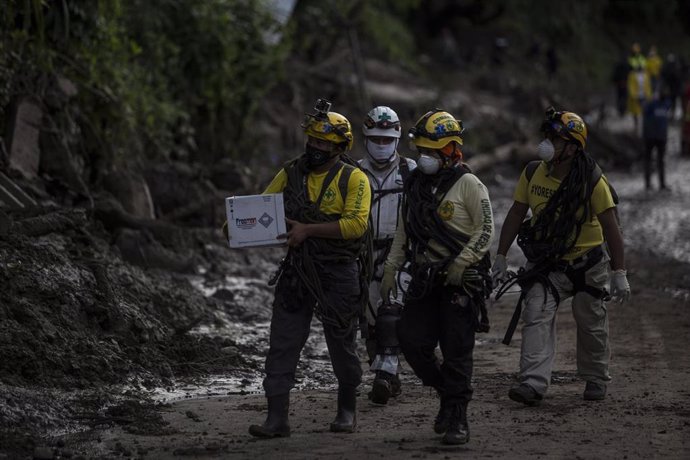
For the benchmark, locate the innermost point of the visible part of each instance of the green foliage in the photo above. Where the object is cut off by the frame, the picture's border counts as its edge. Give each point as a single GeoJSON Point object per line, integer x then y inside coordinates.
{"type": "Point", "coordinates": [160, 77]}
{"type": "Point", "coordinates": [385, 29]}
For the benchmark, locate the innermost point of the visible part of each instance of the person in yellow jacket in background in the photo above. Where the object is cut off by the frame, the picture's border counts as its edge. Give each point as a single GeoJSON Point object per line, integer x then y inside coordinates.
{"type": "Point", "coordinates": [327, 205]}
{"type": "Point", "coordinates": [653, 67]}
{"type": "Point", "coordinates": [639, 92]}
{"type": "Point", "coordinates": [636, 59]}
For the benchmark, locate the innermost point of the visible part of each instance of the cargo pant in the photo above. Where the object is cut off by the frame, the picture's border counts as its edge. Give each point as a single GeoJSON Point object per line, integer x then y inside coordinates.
{"type": "Point", "coordinates": [539, 330]}
{"type": "Point", "coordinates": [446, 318]}
{"type": "Point", "coordinates": [293, 310]}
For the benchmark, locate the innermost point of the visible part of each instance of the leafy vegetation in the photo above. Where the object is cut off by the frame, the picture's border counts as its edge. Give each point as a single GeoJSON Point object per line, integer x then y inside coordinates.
{"type": "Point", "coordinates": [189, 79]}
{"type": "Point", "coordinates": [160, 77]}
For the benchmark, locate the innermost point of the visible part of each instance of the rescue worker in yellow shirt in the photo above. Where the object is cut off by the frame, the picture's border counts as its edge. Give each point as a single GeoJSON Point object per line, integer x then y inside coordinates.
{"type": "Point", "coordinates": [327, 204]}
{"type": "Point", "coordinates": [573, 215]}
{"type": "Point", "coordinates": [446, 228]}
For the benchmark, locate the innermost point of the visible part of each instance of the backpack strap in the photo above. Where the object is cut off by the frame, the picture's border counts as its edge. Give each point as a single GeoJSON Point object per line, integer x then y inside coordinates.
{"type": "Point", "coordinates": [345, 179]}
{"type": "Point", "coordinates": [404, 169]}
{"type": "Point", "coordinates": [327, 180]}
{"type": "Point", "coordinates": [531, 168]}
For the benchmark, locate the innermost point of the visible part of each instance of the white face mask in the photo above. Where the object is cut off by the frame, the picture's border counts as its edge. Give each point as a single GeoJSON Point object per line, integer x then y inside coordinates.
{"type": "Point", "coordinates": [381, 153]}
{"type": "Point", "coordinates": [546, 150]}
{"type": "Point", "coordinates": [428, 164]}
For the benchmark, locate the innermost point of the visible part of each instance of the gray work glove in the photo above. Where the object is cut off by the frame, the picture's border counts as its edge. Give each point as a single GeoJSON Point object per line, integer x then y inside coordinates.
{"type": "Point", "coordinates": [389, 285]}
{"type": "Point", "coordinates": [620, 289]}
{"type": "Point", "coordinates": [499, 270]}
{"type": "Point", "coordinates": [455, 272]}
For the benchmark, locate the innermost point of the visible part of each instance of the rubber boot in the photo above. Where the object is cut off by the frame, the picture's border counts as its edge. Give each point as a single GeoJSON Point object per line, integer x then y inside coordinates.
{"type": "Point", "coordinates": [276, 424]}
{"type": "Point", "coordinates": [346, 418]}
{"type": "Point", "coordinates": [443, 417]}
{"type": "Point", "coordinates": [458, 430]}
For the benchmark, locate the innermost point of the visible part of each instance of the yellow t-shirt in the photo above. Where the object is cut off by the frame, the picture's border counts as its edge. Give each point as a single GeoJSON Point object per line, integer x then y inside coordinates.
{"type": "Point", "coordinates": [537, 192]}
{"type": "Point", "coordinates": [354, 210]}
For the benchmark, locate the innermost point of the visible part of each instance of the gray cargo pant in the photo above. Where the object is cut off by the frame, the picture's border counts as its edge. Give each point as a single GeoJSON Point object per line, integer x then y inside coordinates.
{"type": "Point", "coordinates": [539, 330]}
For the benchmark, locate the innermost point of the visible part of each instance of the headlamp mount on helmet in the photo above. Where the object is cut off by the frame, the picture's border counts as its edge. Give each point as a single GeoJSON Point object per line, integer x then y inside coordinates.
{"type": "Point", "coordinates": [322, 107]}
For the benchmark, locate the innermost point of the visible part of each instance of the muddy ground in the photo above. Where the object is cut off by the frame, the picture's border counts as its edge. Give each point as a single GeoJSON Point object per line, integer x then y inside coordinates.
{"type": "Point", "coordinates": [105, 360]}
{"type": "Point", "coordinates": [645, 415]}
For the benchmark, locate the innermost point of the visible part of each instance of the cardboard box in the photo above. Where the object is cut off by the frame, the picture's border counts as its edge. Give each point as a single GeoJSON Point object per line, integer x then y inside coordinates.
{"type": "Point", "coordinates": [255, 220]}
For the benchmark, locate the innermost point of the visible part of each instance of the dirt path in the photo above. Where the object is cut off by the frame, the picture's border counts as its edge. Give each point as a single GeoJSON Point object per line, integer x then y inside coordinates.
{"type": "Point", "coordinates": [646, 414]}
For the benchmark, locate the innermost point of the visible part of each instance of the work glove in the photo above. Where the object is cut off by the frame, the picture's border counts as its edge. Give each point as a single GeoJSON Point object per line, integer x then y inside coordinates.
{"type": "Point", "coordinates": [225, 230]}
{"type": "Point", "coordinates": [620, 289]}
{"type": "Point", "coordinates": [454, 273]}
{"type": "Point", "coordinates": [499, 270]}
{"type": "Point", "coordinates": [389, 285]}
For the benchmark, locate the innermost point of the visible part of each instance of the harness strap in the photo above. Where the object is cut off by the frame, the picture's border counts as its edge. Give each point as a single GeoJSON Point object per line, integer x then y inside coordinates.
{"type": "Point", "coordinates": [514, 320]}
{"type": "Point", "coordinates": [327, 181]}
{"type": "Point", "coordinates": [578, 278]}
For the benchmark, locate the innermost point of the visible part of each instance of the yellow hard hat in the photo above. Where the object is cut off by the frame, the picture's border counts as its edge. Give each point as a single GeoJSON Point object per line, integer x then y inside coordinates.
{"type": "Point", "coordinates": [436, 129]}
{"type": "Point", "coordinates": [329, 126]}
{"type": "Point", "coordinates": [567, 125]}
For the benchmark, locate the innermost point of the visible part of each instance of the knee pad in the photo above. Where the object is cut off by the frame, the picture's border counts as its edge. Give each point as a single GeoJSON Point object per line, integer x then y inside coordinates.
{"type": "Point", "coordinates": [386, 330]}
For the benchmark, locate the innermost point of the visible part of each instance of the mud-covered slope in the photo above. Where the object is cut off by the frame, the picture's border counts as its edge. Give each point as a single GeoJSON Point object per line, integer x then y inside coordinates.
{"type": "Point", "coordinates": [74, 315]}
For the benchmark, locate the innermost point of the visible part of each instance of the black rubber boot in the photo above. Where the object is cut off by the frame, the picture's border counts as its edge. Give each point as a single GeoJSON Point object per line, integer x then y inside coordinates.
{"type": "Point", "coordinates": [443, 417]}
{"type": "Point", "coordinates": [381, 389]}
{"type": "Point", "coordinates": [458, 430]}
{"type": "Point", "coordinates": [276, 424]}
{"type": "Point", "coordinates": [346, 418]}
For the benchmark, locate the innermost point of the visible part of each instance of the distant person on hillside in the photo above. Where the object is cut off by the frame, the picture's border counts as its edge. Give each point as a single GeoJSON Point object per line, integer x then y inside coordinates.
{"type": "Point", "coordinates": [639, 92]}
{"type": "Point", "coordinates": [672, 79]}
{"type": "Point", "coordinates": [655, 133]}
{"type": "Point", "coordinates": [499, 51]}
{"type": "Point", "coordinates": [653, 67]}
{"type": "Point", "coordinates": [685, 128]}
{"type": "Point", "coordinates": [570, 243]}
{"type": "Point", "coordinates": [619, 77]}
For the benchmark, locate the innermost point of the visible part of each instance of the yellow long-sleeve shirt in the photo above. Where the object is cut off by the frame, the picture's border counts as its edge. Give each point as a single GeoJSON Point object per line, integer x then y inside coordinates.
{"type": "Point", "coordinates": [466, 208]}
{"type": "Point", "coordinates": [353, 210]}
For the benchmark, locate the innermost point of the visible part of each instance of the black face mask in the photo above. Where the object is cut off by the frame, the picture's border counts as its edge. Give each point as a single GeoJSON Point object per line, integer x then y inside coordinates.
{"type": "Point", "coordinates": [316, 157]}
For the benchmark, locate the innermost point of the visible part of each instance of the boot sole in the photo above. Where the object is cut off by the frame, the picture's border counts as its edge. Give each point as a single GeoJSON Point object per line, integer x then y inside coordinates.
{"type": "Point", "coordinates": [517, 397]}
{"type": "Point", "coordinates": [456, 442]}
{"type": "Point", "coordinates": [340, 429]}
{"type": "Point", "coordinates": [259, 432]}
{"type": "Point", "coordinates": [440, 429]}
